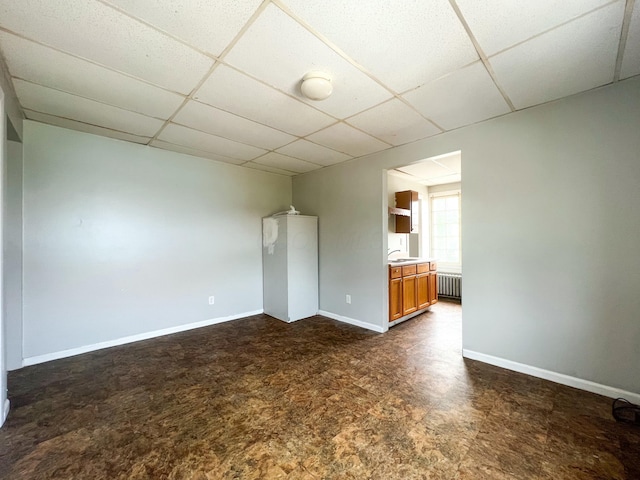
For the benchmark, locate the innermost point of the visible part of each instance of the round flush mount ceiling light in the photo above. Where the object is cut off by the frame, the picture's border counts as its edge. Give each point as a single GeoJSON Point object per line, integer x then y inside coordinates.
{"type": "Point", "coordinates": [316, 85]}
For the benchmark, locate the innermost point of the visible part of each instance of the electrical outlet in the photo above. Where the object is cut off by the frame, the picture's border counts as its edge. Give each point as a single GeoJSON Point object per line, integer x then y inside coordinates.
{"type": "Point", "coordinates": [348, 299]}
{"type": "Point", "coordinates": [212, 300]}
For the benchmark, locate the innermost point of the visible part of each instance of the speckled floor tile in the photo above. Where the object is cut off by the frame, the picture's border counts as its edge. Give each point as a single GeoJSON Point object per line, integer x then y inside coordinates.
{"type": "Point", "coordinates": [260, 399]}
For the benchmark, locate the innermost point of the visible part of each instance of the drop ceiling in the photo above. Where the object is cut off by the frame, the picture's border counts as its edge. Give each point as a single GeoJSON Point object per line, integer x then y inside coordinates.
{"type": "Point", "coordinates": [432, 171]}
{"type": "Point", "coordinates": [221, 79]}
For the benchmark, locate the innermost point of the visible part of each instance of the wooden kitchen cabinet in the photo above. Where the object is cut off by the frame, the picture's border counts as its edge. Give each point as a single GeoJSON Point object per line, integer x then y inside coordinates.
{"type": "Point", "coordinates": [433, 288]}
{"type": "Point", "coordinates": [411, 288]}
{"type": "Point", "coordinates": [395, 298]}
{"type": "Point", "coordinates": [407, 200]}
{"type": "Point", "coordinates": [422, 285]}
{"type": "Point", "coordinates": [422, 290]}
{"type": "Point", "coordinates": [409, 298]}
{"type": "Point", "coordinates": [395, 272]}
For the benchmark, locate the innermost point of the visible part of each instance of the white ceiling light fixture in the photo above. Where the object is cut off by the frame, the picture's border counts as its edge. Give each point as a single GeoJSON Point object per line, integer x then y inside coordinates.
{"type": "Point", "coordinates": [316, 85]}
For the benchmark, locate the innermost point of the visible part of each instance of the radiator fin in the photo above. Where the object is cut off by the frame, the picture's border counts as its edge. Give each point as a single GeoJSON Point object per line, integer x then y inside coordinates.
{"type": "Point", "coordinates": [450, 285]}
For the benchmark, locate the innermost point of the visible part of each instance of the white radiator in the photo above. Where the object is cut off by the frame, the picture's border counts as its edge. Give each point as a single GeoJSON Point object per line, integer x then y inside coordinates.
{"type": "Point", "coordinates": [450, 285]}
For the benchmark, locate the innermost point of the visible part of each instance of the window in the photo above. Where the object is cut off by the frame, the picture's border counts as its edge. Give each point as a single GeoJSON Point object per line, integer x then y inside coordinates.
{"type": "Point", "coordinates": [445, 228]}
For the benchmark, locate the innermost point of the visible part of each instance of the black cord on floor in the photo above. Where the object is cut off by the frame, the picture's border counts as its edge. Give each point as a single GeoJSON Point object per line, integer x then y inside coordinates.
{"type": "Point", "coordinates": [626, 412]}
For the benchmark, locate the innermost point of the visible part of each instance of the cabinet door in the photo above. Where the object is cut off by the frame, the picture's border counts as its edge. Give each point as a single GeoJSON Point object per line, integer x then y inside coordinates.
{"type": "Point", "coordinates": [395, 299]}
{"type": "Point", "coordinates": [424, 299]}
{"type": "Point", "coordinates": [433, 288]}
{"type": "Point", "coordinates": [407, 200]}
{"type": "Point", "coordinates": [409, 297]}
{"type": "Point", "coordinates": [403, 224]}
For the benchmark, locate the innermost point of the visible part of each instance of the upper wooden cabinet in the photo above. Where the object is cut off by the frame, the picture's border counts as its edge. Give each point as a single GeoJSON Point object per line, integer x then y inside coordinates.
{"type": "Point", "coordinates": [407, 200]}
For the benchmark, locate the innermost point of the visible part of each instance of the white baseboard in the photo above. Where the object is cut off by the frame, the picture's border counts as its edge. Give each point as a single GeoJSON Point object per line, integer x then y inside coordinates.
{"type": "Point", "coordinates": [352, 321]}
{"type": "Point", "coordinates": [5, 411]}
{"type": "Point", "coordinates": [407, 317]}
{"type": "Point", "coordinates": [132, 338]}
{"type": "Point", "coordinates": [560, 378]}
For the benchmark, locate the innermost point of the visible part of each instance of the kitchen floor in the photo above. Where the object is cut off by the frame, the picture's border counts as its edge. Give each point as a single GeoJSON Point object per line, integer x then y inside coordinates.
{"type": "Point", "coordinates": [316, 399]}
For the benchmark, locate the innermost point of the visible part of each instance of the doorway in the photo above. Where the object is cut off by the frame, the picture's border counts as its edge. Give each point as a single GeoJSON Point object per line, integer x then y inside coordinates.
{"type": "Point", "coordinates": [434, 231]}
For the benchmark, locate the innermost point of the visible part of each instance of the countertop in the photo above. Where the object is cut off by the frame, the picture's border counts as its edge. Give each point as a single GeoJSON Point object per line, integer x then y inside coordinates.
{"type": "Point", "coordinates": [413, 261]}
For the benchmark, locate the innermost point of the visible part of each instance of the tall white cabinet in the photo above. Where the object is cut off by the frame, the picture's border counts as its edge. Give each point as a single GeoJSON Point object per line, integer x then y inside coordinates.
{"type": "Point", "coordinates": [290, 267]}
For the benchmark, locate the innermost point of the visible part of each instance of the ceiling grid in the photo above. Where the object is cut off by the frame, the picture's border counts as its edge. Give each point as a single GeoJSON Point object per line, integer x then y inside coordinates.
{"type": "Point", "coordinates": [481, 54]}
{"type": "Point", "coordinates": [221, 80]}
{"type": "Point", "coordinates": [624, 35]}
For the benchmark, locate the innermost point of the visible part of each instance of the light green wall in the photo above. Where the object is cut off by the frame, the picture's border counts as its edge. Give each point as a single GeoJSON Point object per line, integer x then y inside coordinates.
{"type": "Point", "coordinates": [12, 252]}
{"type": "Point", "coordinates": [550, 241]}
{"type": "Point", "coordinates": [11, 105]}
{"type": "Point", "coordinates": [352, 212]}
{"type": "Point", "coordinates": [122, 239]}
{"type": "Point", "coordinates": [446, 187]}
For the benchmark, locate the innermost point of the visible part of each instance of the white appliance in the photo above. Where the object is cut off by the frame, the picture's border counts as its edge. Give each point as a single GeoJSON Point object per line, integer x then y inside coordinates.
{"type": "Point", "coordinates": [290, 266]}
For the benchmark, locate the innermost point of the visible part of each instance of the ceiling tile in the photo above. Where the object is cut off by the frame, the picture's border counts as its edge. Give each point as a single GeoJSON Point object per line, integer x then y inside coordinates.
{"type": "Point", "coordinates": [401, 123]}
{"type": "Point", "coordinates": [45, 66]}
{"type": "Point", "coordinates": [194, 152]}
{"type": "Point", "coordinates": [631, 58]}
{"type": "Point", "coordinates": [187, 137]}
{"type": "Point", "coordinates": [426, 169]}
{"type": "Point", "coordinates": [205, 24]}
{"type": "Point", "coordinates": [84, 127]}
{"type": "Point", "coordinates": [313, 153]}
{"type": "Point", "coordinates": [236, 93]}
{"type": "Point", "coordinates": [403, 46]}
{"type": "Point", "coordinates": [399, 174]}
{"type": "Point", "coordinates": [453, 162]}
{"type": "Point", "coordinates": [119, 67]}
{"type": "Point", "coordinates": [498, 24]}
{"type": "Point", "coordinates": [266, 168]}
{"type": "Point", "coordinates": [285, 162]}
{"type": "Point", "coordinates": [443, 180]}
{"type": "Point", "coordinates": [99, 33]}
{"type": "Point", "coordinates": [279, 51]}
{"type": "Point", "coordinates": [462, 98]}
{"type": "Point", "coordinates": [538, 71]}
{"type": "Point", "coordinates": [60, 104]}
{"type": "Point", "coordinates": [218, 122]}
{"type": "Point", "coordinates": [348, 140]}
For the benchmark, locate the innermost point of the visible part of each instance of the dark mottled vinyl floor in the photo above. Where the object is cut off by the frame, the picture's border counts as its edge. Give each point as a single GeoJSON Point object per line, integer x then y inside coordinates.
{"type": "Point", "coordinates": [259, 399]}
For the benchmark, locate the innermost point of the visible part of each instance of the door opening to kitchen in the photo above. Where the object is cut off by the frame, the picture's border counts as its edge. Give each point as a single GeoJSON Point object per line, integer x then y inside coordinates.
{"type": "Point", "coordinates": [424, 245]}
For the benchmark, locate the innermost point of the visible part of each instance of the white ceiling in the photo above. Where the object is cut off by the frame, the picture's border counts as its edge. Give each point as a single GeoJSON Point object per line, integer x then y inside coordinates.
{"type": "Point", "coordinates": [438, 170]}
{"type": "Point", "coordinates": [221, 79]}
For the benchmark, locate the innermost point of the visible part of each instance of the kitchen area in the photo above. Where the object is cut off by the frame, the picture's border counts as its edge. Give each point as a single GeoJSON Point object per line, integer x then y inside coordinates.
{"type": "Point", "coordinates": [413, 284]}
{"type": "Point", "coordinates": [423, 230]}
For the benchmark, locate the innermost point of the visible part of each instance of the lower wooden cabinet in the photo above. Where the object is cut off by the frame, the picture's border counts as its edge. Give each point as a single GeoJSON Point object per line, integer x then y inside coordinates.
{"type": "Point", "coordinates": [422, 290]}
{"type": "Point", "coordinates": [411, 288]}
{"type": "Point", "coordinates": [433, 288]}
{"type": "Point", "coordinates": [395, 298]}
{"type": "Point", "coordinates": [409, 298]}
